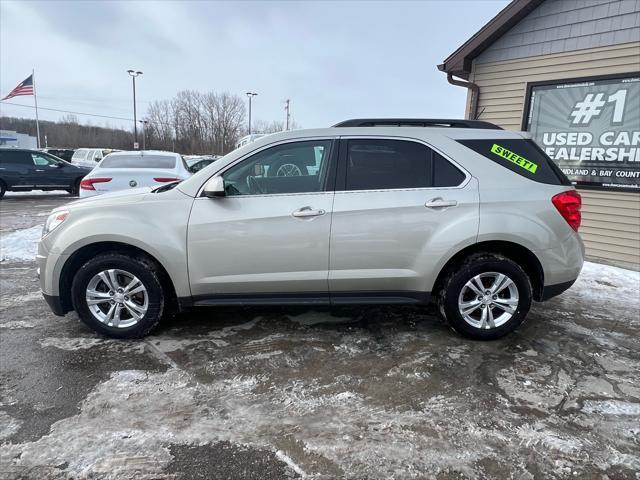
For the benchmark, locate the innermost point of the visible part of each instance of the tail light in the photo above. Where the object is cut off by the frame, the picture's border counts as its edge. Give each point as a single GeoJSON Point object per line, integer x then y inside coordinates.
{"type": "Point", "coordinates": [87, 183]}
{"type": "Point", "coordinates": [569, 204]}
{"type": "Point", "coordinates": [165, 179]}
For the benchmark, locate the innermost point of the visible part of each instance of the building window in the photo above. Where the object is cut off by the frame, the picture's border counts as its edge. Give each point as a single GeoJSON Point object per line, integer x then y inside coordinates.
{"type": "Point", "coordinates": [590, 127]}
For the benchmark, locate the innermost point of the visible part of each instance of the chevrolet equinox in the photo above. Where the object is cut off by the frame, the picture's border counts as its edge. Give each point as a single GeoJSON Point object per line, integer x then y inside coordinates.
{"type": "Point", "coordinates": [372, 211]}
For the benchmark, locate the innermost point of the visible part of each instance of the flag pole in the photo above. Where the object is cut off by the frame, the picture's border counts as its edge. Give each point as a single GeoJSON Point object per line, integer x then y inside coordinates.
{"type": "Point", "coordinates": [35, 98]}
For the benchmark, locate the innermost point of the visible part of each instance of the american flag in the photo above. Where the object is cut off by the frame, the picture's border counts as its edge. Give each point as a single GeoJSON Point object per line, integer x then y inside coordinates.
{"type": "Point", "coordinates": [23, 88]}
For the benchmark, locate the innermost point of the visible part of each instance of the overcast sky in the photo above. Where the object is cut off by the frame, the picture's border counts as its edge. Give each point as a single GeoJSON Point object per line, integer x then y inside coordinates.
{"type": "Point", "coordinates": [334, 60]}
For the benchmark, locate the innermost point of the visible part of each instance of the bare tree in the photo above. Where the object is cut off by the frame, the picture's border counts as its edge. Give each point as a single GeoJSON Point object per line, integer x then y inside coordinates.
{"type": "Point", "coordinates": [193, 122]}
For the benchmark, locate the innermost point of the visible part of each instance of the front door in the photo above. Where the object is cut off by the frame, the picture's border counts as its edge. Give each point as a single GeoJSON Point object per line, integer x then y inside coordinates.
{"type": "Point", "coordinates": [268, 238]}
{"type": "Point", "coordinates": [399, 208]}
{"type": "Point", "coordinates": [48, 172]}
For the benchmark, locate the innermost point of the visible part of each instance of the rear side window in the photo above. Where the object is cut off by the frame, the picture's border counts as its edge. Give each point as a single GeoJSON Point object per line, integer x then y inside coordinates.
{"type": "Point", "coordinates": [374, 164]}
{"type": "Point", "coordinates": [380, 164]}
{"type": "Point", "coordinates": [521, 156]}
{"type": "Point", "coordinates": [15, 157]}
{"type": "Point", "coordinates": [138, 161]}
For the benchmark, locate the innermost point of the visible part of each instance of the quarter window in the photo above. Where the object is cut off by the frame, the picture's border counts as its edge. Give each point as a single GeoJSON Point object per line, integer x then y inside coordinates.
{"type": "Point", "coordinates": [297, 167]}
{"type": "Point", "coordinates": [380, 164]}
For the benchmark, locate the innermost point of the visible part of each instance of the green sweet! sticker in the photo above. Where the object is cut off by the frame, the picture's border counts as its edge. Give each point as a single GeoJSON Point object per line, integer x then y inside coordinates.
{"type": "Point", "coordinates": [514, 157]}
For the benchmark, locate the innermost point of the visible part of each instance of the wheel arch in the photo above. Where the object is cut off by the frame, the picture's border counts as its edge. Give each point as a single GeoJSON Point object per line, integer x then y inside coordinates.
{"type": "Point", "coordinates": [514, 251]}
{"type": "Point", "coordinates": [80, 256]}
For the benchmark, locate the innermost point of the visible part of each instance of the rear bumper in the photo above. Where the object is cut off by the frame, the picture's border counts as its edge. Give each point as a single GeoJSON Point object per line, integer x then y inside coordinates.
{"type": "Point", "coordinates": [550, 291]}
{"type": "Point", "coordinates": [563, 262]}
{"type": "Point", "coordinates": [55, 304]}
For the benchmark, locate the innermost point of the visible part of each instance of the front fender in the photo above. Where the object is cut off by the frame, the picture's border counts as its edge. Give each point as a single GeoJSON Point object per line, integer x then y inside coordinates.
{"type": "Point", "coordinates": [156, 226]}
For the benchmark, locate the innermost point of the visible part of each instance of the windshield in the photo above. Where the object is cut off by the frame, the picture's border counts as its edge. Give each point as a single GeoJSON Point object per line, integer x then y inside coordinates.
{"type": "Point", "coordinates": [138, 161]}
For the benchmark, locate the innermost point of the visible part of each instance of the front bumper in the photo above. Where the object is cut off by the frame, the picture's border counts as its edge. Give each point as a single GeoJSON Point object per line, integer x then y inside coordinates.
{"type": "Point", "coordinates": [49, 272]}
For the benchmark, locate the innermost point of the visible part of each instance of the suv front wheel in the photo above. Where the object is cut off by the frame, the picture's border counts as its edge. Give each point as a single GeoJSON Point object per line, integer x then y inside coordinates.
{"type": "Point", "coordinates": [487, 297]}
{"type": "Point", "coordinates": [118, 295]}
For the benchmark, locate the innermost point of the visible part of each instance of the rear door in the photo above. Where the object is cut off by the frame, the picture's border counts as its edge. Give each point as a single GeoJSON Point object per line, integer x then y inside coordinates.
{"type": "Point", "coordinates": [399, 207]}
{"type": "Point", "coordinates": [15, 167]}
{"type": "Point", "coordinates": [268, 238]}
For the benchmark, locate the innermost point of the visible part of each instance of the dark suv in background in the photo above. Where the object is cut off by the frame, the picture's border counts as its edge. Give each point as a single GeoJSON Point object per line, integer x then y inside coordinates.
{"type": "Point", "coordinates": [24, 170]}
{"type": "Point", "coordinates": [63, 153]}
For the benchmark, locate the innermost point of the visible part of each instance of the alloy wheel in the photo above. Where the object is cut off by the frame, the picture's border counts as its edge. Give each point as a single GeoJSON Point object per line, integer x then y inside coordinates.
{"type": "Point", "coordinates": [288, 170]}
{"type": "Point", "coordinates": [117, 298]}
{"type": "Point", "coordinates": [488, 300]}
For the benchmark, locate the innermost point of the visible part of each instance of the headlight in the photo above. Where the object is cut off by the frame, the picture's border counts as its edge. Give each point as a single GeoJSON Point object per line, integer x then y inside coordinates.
{"type": "Point", "coordinates": [55, 219]}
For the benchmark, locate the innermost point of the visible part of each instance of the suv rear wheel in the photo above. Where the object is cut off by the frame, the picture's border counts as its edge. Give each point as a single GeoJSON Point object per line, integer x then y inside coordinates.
{"type": "Point", "coordinates": [75, 187]}
{"type": "Point", "coordinates": [485, 298]}
{"type": "Point", "coordinates": [3, 188]}
{"type": "Point", "coordinates": [118, 295]}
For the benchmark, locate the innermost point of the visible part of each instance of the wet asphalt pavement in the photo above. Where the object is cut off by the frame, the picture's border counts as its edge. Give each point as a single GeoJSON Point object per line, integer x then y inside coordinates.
{"type": "Point", "coordinates": [273, 393]}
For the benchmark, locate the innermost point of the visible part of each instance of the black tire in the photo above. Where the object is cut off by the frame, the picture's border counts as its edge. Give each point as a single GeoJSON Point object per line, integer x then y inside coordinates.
{"type": "Point", "coordinates": [144, 269]}
{"type": "Point", "coordinates": [475, 265]}
{"type": "Point", "coordinates": [75, 187]}
{"type": "Point", "coordinates": [3, 188]}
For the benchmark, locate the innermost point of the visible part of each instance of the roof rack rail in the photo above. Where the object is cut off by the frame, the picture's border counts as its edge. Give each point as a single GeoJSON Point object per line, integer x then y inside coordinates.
{"type": "Point", "coordinates": [417, 122]}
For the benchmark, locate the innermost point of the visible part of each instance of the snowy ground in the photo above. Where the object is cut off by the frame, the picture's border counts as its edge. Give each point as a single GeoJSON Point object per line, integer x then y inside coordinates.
{"type": "Point", "coordinates": [285, 393]}
{"type": "Point", "coordinates": [20, 244]}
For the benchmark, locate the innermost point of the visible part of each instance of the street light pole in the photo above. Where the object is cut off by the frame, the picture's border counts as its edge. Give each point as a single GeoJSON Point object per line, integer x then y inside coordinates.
{"type": "Point", "coordinates": [287, 109]}
{"type": "Point", "coordinates": [250, 95]}
{"type": "Point", "coordinates": [134, 74]}
{"type": "Point", "coordinates": [144, 133]}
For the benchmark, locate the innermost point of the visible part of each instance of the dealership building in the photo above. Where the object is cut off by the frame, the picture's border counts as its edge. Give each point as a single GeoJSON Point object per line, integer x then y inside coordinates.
{"type": "Point", "coordinates": [568, 72]}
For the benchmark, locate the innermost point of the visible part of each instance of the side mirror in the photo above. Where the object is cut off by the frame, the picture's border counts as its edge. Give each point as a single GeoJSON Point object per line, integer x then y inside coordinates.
{"type": "Point", "coordinates": [214, 188]}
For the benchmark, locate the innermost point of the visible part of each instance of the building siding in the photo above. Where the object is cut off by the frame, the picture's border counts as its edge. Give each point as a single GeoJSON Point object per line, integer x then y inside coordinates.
{"type": "Point", "coordinates": [611, 220]}
{"type": "Point", "coordinates": [559, 26]}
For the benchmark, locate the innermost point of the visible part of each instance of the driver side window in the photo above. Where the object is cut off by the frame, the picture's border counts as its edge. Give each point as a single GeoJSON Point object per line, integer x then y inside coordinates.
{"type": "Point", "coordinates": [297, 167]}
{"type": "Point", "coordinates": [42, 160]}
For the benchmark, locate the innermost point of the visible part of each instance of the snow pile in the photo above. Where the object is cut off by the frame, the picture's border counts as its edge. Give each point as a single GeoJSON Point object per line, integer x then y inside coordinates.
{"type": "Point", "coordinates": [21, 244]}
{"type": "Point", "coordinates": [606, 284]}
{"type": "Point", "coordinates": [611, 407]}
{"type": "Point", "coordinates": [36, 192]}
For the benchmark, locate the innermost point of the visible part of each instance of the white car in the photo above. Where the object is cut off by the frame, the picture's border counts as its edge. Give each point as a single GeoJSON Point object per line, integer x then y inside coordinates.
{"type": "Point", "coordinates": [89, 157]}
{"type": "Point", "coordinates": [125, 170]}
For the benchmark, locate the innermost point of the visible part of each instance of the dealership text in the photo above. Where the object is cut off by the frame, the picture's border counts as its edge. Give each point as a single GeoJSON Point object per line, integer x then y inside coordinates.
{"type": "Point", "coordinates": [615, 146]}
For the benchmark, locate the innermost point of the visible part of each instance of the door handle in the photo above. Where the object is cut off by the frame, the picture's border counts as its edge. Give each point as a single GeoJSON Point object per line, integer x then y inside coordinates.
{"type": "Point", "coordinates": [440, 203]}
{"type": "Point", "coordinates": [307, 212]}
{"type": "Point", "coordinates": [38, 170]}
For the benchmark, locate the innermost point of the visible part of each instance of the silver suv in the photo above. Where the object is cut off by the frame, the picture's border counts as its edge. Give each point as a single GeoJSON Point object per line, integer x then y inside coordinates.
{"type": "Point", "coordinates": [391, 211]}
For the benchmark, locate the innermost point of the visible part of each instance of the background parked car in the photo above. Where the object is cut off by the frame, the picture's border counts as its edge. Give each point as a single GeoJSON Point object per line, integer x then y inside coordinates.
{"type": "Point", "coordinates": [89, 157]}
{"type": "Point", "coordinates": [198, 162]}
{"type": "Point", "coordinates": [248, 139]}
{"type": "Point", "coordinates": [25, 170]}
{"type": "Point", "coordinates": [63, 153]}
{"type": "Point", "coordinates": [124, 170]}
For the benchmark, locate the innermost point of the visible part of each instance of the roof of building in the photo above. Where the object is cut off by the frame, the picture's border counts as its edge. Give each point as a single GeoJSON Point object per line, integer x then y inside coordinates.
{"type": "Point", "coordinates": [459, 62]}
